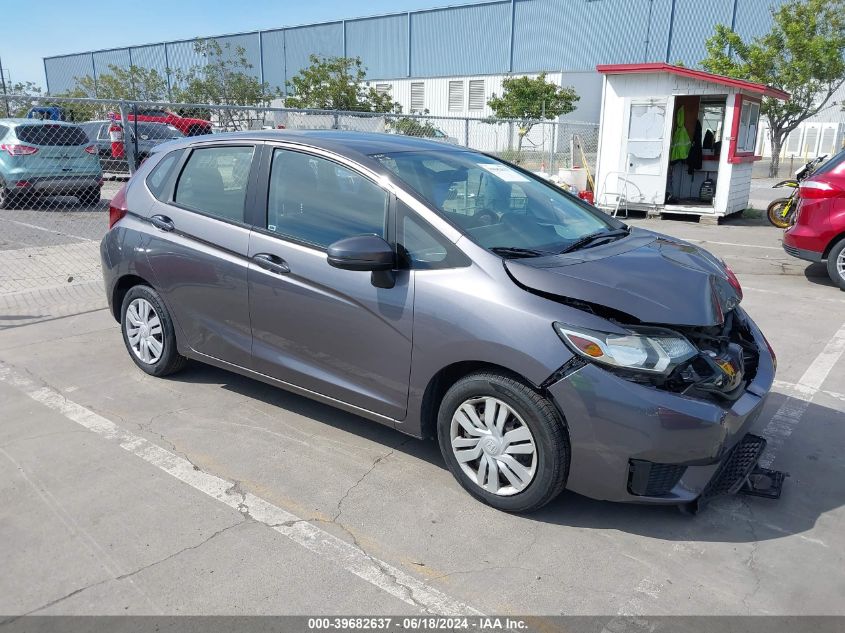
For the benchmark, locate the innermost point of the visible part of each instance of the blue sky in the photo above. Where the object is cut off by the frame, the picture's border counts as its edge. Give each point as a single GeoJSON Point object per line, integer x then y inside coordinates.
{"type": "Point", "coordinates": [58, 26]}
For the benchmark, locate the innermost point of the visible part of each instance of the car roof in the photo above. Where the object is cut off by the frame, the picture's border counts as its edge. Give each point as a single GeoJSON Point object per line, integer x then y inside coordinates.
{"type": "Point", "coordinates": [12, 122]}
{"type": "Point", "coordinates": [361, 144]}
{"type": "Point", "coordinates": [102, 121]}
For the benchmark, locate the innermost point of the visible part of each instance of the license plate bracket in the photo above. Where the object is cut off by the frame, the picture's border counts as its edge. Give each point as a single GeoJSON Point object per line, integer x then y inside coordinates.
{"type": "Point", "coordinates": [763, 482]}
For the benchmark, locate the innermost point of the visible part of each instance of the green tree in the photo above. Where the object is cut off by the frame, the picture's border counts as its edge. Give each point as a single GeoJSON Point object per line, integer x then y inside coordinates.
{"type": "Point", "coordinates": [337, 83]}
{"type": "Point", "coordinates": [803, 54]}
{"type": "Point", "coordinates": [222, 78]}
{"type": "Point", "coordinates": [25, 92]}
{"type": "Point", "coordinates": [134, 83]}
{"type": "Point", "coordinates": [531, 100]}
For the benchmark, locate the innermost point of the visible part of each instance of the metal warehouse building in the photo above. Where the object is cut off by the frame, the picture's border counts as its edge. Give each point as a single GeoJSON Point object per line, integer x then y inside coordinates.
{"type": "Point", "coordinates": [449, 60]}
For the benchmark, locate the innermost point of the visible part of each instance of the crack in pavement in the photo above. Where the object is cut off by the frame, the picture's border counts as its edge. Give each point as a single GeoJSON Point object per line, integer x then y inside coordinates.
{"type": "Point", "coordinates": [123, 576]}
{"type": "Point", "coordinates": [182, 551]}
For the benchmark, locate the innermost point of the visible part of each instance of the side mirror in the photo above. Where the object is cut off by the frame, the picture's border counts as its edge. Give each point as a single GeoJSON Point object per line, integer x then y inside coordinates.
{"type": "Point", "coordinates": [362, 252]}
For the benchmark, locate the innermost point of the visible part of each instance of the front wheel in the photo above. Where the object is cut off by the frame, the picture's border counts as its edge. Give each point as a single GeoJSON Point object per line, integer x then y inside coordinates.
{"type": "Point", "coordinates": [836, 264]}
{"type": "Point", "coordinates": [505, 443]}
{"type": "Point", "coordinates": [780, 212]}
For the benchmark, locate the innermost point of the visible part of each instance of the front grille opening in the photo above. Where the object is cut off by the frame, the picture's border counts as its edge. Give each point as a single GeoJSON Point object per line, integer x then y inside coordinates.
{"type": "Point", "coordinates": [651, 479]}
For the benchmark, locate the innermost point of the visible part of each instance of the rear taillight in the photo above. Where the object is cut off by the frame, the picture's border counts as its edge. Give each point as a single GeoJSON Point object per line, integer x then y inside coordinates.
{"type": "Point", "coordinates": [91, 149]}
{"type": "Point", "coordinates": [117, 207]}
{"type": "Point", "coordinates": [18, 150]}
{"type": "Point", "coordinates": [819, 190]}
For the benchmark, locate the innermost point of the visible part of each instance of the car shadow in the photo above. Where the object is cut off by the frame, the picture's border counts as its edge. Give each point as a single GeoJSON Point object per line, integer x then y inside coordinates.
{"type": "Point", "coordinates": [736, 519]}
{"type": "Point", "coordinates": [817, 273]}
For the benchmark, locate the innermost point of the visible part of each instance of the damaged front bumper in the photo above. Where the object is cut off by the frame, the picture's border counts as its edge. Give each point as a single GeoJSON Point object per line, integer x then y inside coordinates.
{"type": "Point", "coordinates": [636, 443]}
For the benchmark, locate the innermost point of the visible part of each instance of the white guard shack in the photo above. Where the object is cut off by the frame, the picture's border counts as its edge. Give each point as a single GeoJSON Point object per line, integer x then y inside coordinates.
{"type": "Point", "coordinates": [639, 164]}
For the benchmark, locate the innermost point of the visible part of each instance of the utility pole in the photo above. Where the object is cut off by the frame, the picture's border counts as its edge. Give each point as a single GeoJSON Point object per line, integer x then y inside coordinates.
{"type": "Point", "coordinates": [5, 94]}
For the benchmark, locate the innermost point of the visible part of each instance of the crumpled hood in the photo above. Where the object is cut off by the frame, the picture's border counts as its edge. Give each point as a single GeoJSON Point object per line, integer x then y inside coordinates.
{"type": "Point", "coordinates": [652, 277]}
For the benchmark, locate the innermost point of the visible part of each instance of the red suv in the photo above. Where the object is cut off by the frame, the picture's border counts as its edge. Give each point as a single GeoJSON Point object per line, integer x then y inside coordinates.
{"type": "Point", "coordinates": [188, 126]}
{"type": "Point", "coordinates": [818, 233]}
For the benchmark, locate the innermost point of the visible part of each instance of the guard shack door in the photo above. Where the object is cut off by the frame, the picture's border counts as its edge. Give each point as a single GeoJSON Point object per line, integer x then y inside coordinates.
{"type": "Point", "coordinates": [645, 153]}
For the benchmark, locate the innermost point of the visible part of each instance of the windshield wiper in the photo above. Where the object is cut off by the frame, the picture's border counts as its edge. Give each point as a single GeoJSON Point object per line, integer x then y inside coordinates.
{"type": "Point", "coordinates": [515, 251]}
{"type": "Point", "coordinates": [593, 237]}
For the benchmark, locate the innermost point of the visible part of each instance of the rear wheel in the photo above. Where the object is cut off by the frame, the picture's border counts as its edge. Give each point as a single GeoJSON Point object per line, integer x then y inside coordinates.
{"type": "Point", "coordinates": [505, 443]}
{"type": "Point", "coordinates": [836, 263]}
{"type": "Point", "coordinates": [776, 212]}
{"type": "Point", "coordinates": [148, 332]}
{"type": "Point", "coordinates": [8, 200]}
{"type": "Point", "coordinates": [89, 197]}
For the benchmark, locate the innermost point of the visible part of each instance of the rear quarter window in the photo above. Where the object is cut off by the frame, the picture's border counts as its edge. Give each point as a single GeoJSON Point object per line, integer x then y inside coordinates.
{"type": "Point", "coordinates": [51, 134]}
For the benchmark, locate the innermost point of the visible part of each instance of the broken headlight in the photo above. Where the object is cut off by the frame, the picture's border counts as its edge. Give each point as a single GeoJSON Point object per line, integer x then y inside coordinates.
{"type": "Point", "coordinates": [648, 349]}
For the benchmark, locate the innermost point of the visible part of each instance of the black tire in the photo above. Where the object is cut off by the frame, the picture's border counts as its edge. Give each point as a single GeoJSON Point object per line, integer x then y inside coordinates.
{"type": "Point", "coordinates": [89, 197]}
{"type": "Point", "coordinates": [833, 264]}
{"type": "Point", "coordinates": [542, 418]}
{"type": "Point", "coordinates": [170, 360]}
{"type": "Point", "coordinates": [7, 199]}
{"type": "Point", "coordinates": [775, 210]}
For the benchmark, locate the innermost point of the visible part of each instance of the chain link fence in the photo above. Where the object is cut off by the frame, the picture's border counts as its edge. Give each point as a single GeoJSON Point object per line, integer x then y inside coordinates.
{"type": "Point", "coordinates": [60, 168]}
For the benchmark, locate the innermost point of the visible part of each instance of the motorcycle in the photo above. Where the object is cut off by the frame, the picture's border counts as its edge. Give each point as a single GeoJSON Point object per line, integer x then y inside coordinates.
{"type": "Point", "coordinates": [781, 211]}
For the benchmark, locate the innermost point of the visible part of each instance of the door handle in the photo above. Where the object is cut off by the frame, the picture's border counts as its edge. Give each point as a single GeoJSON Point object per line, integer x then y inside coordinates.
{"type": "Point", "coordinates": [162, 222]}
{"type": "Point", "coordinates": [271, 263]}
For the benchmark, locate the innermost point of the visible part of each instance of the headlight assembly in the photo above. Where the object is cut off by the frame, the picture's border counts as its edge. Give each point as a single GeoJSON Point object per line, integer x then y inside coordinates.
{"type": "Point", "coordinates": [648, 349]}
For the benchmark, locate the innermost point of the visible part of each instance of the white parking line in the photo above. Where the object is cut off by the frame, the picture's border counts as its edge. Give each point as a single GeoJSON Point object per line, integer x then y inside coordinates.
{"type": "Point", "coordinates": [345, 555]}
{"type": "Point", "coordinates": [779, 428]}
{"type": "Point", "coordinates": [53, 231]}
{"type": "Point", "coordinates": [787, 417]}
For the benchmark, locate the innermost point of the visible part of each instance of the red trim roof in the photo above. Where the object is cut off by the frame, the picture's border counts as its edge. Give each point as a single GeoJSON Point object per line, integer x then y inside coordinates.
{"type": "Point", "coordinates": [700, 75]}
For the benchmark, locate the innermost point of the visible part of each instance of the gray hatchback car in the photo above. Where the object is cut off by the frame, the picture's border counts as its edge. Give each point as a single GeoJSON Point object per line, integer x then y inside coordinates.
{"type": "Point", "coordinates": [444, 292]}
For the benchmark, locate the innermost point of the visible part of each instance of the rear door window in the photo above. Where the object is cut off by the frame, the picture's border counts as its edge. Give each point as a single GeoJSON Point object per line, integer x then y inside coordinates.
{"type": "Point", "coordinates": [214, 181]}
{"type": "Point", "coordinates": [158, 177]}
{"type": "Point", "coordinates": [62, 135]}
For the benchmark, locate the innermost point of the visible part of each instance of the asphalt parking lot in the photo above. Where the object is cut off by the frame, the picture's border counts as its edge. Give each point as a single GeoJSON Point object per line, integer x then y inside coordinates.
{"type": "Point", "coordinates": [208, 493]}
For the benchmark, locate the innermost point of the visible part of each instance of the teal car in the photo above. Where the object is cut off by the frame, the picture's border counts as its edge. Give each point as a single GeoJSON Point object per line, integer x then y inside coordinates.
{"type": "Point", "coordinates": [47, 158]}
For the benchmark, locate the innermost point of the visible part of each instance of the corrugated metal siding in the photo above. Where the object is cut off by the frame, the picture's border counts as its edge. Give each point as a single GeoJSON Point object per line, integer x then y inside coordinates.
{"type": "Point", "coordinates": [753, 17]}
{"type": "Point", "coordinates": [470, 40]}
{"type": "Point", "coordinates": [182, 57]}
{"type": "Point", "coordinates": [273, 43]}
{"type": "Point", "coordinates": [151, 57]}
{"type": "Point", "coordinates": [578, 35]}
{"type": "Point", "coordinates": [105, 59]}
{"type": "Point", "coordinates": [325, 40]}
{"type": "Point", "coordinates": [694, 23]}
{"type": "Point", "coordinates": [62, 71]}
{"type": "Point", "coordinates": [381, 43]}
{"type": "Point", "coordinates": [249, 44]}
{"type": "Point", "coordinates": [461, 40]}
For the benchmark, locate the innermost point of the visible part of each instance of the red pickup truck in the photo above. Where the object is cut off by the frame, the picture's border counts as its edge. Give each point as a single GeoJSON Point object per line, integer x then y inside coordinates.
{"type": "Point", "coordinates": [186, 125]}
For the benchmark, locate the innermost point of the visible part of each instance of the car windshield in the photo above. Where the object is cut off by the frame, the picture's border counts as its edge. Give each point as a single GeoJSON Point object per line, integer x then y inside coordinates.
{"type": "Point", "coordinates": [501, 208]}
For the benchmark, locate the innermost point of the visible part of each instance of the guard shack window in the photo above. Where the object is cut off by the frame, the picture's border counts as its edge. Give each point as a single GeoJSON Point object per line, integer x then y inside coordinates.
{"type": "Point", "coordinates": [744, 133]}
